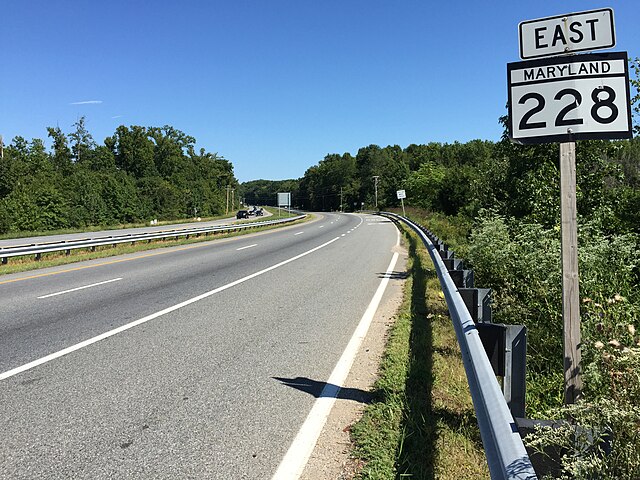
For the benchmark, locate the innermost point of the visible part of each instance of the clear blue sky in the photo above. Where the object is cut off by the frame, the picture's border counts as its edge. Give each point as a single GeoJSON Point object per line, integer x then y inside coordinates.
{"type": "Point", "coordinates": [271, 85]}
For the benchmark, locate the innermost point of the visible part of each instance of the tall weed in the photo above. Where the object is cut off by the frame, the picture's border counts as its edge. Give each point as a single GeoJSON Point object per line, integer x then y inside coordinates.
{"type": "Point", "coordinates": [522, 265]}
{"type": "Point", "coordinates": [601, 437]}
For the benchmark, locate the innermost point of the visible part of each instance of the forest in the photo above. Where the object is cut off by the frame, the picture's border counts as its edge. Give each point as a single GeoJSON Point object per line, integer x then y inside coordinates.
{"type": "Point", "coordinates": [464, 179]}
{"type": "Point", "coordinates": [137, 174]}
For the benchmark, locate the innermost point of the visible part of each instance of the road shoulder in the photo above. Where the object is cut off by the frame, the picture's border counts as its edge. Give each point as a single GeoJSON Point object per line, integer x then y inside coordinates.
{"type": "Point", "coordinates": [331, 458]}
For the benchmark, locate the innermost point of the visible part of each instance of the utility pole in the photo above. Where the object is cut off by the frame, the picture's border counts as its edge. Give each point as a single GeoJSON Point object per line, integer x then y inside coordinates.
{"type": "Point", "coordinates": [375, 179]}
{"type": "Point", "coordinates": [226, 212]}
{"type": "Point", "coordinates": [341, 207]}
{"type": "Point", "coordinates": [1, 148]}
{"type": "Point", "coordinates": [233, 199]}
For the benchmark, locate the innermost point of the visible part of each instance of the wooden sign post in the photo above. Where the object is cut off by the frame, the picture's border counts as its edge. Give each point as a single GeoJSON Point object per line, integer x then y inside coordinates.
{"type": "Point", "coordinates": [570, 287]}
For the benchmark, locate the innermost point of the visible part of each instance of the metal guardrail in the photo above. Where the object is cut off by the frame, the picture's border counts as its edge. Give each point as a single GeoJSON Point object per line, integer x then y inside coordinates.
{"type": "Point", "coordinates": [38, 249]}
{"type": "Point", "coordinates": [506, 455]}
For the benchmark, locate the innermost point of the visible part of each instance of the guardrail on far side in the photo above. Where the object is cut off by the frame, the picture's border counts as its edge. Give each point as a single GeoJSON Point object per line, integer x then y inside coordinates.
{"type": "Point", "coordinates": [38, 249]}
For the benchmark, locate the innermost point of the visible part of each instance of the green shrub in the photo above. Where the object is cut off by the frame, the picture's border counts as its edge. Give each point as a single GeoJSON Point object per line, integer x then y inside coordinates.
{"type": "Point", "coordinates": [521, 263]}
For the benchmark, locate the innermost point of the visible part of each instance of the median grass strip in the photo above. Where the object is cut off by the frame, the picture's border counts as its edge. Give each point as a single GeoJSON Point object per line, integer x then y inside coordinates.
{"type": "Point", "coordinates": [54, 259]}
{"type": "Point", "coordinates": [421, 423]}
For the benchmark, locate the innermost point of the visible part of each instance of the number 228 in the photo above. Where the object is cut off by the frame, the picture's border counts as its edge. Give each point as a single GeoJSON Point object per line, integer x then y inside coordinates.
{"type": "Point", "coordinates": [606, 103]}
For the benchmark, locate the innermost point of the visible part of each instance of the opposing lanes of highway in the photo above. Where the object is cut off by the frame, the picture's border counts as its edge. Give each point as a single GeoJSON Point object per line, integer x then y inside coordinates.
{"type": "Point", "coordinates": [176, 362]}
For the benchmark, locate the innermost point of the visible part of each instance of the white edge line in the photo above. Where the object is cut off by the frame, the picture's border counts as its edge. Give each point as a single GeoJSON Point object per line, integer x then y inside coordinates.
{"type": "Point", "coordinates": [248, 246]}
{"type": "Point", "coordinates": [80, 288]}
{"type": "Point", "coordinates": [115, 331]}
{"type": "Point", "coordinates": [296, 458]}
{"type": "Point", "coordinates": [299, 233]}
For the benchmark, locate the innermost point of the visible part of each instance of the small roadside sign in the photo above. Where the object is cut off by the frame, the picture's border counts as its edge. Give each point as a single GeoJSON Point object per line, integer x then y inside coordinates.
{"type": "Point", "coordinates": [563, 99]}
{"type": "Point", "coordinates": [564, 34]}
{"type": "Point", "coordinates": [284, 199]}
{"type": "Point", "coordinates": [401, 196]}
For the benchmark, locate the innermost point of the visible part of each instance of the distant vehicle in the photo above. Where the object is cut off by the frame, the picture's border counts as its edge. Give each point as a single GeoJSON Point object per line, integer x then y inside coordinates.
{"type": "Point", "coordinates": [242, 214]}
{"type": "Point", "coordinates": [259, 212]}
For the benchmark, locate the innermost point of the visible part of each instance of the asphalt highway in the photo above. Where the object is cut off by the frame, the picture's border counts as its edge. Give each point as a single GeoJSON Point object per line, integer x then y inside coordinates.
{"type": "Point", "coordinates": [198, 361]}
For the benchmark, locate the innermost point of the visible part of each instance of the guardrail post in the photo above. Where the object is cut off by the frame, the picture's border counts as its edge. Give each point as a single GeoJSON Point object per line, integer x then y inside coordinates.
{"type": "Point", "coordinates": [478, 302]}
{"type": "Point", "coordinates": [548, 461]}
{"type": "Point", "coordinates": [462, 278]}
{"type": "Point", "coordinates": [453, 263]}
{"type": "Point", "coordinates": [506, 347]}
{"type": "Point", "coordinates": [4, 260]}
{"type": "Point", "coordinates": [515, 385]}
{"type": "Point", "coordinates": [446, 253]}
{"type": "Point", "coordinates": [493, 337]}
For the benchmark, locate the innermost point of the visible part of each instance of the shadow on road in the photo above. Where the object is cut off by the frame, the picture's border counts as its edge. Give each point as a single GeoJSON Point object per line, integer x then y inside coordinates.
{"type": "Point", "coordinates": [324, 389]}
{"type": "Point", "coordinates": [394, 275]}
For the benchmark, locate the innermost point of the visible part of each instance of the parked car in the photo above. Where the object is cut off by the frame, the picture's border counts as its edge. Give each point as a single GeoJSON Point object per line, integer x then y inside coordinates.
{"type": "Point", "coordinates": [259, 212]}
{"type": "Point", "coordinates": [242, 214]}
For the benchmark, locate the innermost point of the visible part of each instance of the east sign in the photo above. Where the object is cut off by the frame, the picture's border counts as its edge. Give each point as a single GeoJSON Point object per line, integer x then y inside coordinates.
{"type": "Point", "coordinates": [564, 34]}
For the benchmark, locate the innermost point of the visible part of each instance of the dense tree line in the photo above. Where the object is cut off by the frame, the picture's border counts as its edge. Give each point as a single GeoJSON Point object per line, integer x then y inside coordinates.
{"type": "Point", "coordinates": [139, 173]}
{"type": "Point", "coordinates": [264, 192]}
{"type": "Point", "coordinates": [464, 178]}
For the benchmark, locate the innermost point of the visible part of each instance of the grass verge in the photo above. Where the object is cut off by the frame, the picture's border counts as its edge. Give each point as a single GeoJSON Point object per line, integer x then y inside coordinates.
{"type": "Point", "coordinates": [421, 423]}
{"type": "Point", "coordinates": [54, 259]}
